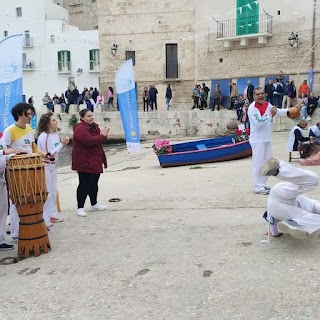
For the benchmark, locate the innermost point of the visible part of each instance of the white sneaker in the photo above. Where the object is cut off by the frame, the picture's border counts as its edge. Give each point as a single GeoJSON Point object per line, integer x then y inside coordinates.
{"type": "Point", "coordinates": [81, 212]}
{"type": "Point", "coordinates": [309, 118]}
{"type": "Point", "coordinates": [98, 207]}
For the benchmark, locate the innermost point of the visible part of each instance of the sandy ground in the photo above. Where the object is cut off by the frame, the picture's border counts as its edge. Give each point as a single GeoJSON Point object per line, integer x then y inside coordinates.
{"type": "Point", "coordinates": [182, 244]}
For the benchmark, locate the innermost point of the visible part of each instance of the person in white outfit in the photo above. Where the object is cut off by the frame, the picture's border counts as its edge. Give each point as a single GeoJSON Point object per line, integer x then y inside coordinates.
{"type": "Point", "coordinates": [4, 156]}
{"type": "Point", "coordinates": [288, 209]}
{"type": "Point", "coordinates": [260, 115]}
{"type": "Point", "coordinates": [50, 143]}
{"type": "Point", "coordinates": [296, 136]}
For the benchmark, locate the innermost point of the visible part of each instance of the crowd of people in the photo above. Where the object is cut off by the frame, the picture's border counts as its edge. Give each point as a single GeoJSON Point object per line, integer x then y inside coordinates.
{"type": "Point", "coordinates": [91, 97]}
{"type": "Point", "coordinates": [19, 138]}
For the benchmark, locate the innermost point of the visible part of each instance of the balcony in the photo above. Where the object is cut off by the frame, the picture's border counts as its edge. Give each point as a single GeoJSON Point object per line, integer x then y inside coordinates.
{"type": "Point", "coordinates": [171, 71]}
{"type": "Point", "coordinates": [255, 27]}
{"type": "Point", "coordinates": [27, 65]}
{"type": "Point", "coordinates": [94, 66]}
{"type": "Point", "coordinates": [64, 66]}
{"type": "Point", "coordinates": [28, 42]}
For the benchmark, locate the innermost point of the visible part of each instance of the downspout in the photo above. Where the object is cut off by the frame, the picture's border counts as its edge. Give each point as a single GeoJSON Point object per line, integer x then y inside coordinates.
{"type": "Point", "coordinates": [313, 37]}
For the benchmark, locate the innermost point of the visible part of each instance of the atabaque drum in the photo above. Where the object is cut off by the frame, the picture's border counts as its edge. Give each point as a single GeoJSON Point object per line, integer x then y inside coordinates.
{"type": "Point", "coordinates": [26, 179]}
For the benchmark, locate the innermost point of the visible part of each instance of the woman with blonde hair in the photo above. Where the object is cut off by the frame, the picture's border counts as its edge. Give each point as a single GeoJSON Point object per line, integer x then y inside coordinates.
{"type": "Point", "coordinates": [50, 143]}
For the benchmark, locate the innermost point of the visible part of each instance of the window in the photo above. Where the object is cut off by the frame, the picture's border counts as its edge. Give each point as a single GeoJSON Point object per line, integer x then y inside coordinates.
{"type": "Point", "coordinates": [19, 12]}
{"type": "Point", "coordinates": [5, 33]}
{"type": "Point", "coordinates": [247, 17]}
{"type": "Point", "coordinates": [172, 66]}
{"type": "Point", "coordinates": [131, 55]}
{"type": "Point", "coordinates": [94, 57]}
{"type": "Point", "coordinates": [27, 38]}
{"type": "Point", "coordinates": [63, 27]}
{"type": "Point", "coordinates": [64, 61]}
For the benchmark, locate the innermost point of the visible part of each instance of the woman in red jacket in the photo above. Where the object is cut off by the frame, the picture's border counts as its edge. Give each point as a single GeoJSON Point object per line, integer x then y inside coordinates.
{"type": "Point", "coordinates": [88, 158]}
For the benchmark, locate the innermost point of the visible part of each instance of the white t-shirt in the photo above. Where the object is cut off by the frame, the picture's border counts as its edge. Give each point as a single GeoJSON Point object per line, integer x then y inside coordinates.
{"type": "Point", "coordinates": [260, 125]}
{"type": "Point", "coordinates": [50, 143]}
{"type": "Point", "coordinates": [19, 138]}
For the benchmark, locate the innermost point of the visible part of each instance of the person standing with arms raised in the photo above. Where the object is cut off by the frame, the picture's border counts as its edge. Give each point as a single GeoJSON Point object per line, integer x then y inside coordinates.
{"type": "Point", "coordinates": [260, 115]}
{"type": "Point", "coordinates": [88, 159]}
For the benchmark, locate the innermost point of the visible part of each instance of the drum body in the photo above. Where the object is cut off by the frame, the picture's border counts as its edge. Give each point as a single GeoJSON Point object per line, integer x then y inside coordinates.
{"type": "Point", "coordinates": [27, 190]}
{"type": "Point", "coordinates": [26, 180]}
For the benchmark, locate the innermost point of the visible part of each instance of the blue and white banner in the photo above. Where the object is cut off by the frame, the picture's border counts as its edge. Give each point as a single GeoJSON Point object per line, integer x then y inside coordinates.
{"type": "Point", "coordinates": [127, 103]}
{"type": "Point", "coordinates": [10, 77]}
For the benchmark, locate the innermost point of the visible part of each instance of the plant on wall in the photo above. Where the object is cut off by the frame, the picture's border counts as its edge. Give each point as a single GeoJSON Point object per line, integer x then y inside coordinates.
{"type": "Point", "coordinates": [73, 121]}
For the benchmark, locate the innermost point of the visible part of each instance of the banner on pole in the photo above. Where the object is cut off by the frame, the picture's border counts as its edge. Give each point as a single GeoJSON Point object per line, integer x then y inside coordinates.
{"type": "Point", "coordinates": [128, 105]}
{"type": "Point", "coordinates": [10, 77]}
{"type": "Point", "coordinates": [310, 79]}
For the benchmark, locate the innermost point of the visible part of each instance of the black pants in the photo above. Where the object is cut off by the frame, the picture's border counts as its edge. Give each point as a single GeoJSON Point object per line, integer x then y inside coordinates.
{"type": "Point", "coordinates": [310, 109]}
{"type": "Point", "coordinates": [145, 105]}
{"type": "Point", "coordinates": [88, 186]}
{"type": "Point", "coordinates": [153, 103]}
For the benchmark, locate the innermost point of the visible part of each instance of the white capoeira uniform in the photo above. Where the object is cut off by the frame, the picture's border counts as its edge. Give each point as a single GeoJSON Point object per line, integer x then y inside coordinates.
{"type": "Point", "coordinates": [3, 190]}
{"type": "Point", "coordinates": [287, 201]}
{"type": "Point", "coordinates": [21, 139]}
{"type": "Point", "coordinates": [50, 143]}
{"type": "Point", "coordinates": [260, 140]}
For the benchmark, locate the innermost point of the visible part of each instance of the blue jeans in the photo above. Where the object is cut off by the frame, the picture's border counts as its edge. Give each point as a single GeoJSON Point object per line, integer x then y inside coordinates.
{"type": "Point", "coordinates": [304, 112]}
{"type": "Point", "coordinates": [168, 103]}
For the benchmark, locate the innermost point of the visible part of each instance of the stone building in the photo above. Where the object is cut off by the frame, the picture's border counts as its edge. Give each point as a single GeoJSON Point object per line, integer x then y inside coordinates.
{"type": "Point", "coordinates": [185, 42]}
{"type": "Point", "coordinates": [82, 13]}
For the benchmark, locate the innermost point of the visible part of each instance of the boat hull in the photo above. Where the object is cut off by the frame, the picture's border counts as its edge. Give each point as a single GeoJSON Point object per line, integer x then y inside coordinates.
{"type": "Point", "coordinates": [225, 152]}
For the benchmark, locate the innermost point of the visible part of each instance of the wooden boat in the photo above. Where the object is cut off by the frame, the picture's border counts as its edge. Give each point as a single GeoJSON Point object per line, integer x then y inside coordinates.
{"type": "Point", "coordinates": [205, 151]}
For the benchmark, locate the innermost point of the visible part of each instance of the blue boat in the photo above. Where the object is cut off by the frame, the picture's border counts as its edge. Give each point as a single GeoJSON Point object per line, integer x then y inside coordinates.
{"type": "Point", "coordinates": [205, 151]}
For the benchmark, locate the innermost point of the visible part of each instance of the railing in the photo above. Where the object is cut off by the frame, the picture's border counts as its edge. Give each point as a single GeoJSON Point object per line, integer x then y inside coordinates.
{"type": "Point", "coordinates": [64, 66]}
{"type": "Point", "coordinates": [172, 70]}
{"type": "Point", "coordinates": [245, 26]}
{"type": "Point", "coordinates": [27, 42]}
{"type": "Point", "coordinates": [27, 65]}
{"type": "Point", "coordinates": [95, 65]}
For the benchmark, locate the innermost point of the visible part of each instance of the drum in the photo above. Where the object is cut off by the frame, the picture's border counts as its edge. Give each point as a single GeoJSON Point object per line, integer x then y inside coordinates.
{"type": "Point", "coordinates": [33, 236]}
{"type": "Point", "coordinates": [26, 179]}
{"type": "Point", "coordinates": [27, 190]}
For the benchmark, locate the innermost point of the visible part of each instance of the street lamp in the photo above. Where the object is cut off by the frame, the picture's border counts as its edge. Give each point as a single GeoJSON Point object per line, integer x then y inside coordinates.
{"type": "Point", "coordinates": [293, 39]}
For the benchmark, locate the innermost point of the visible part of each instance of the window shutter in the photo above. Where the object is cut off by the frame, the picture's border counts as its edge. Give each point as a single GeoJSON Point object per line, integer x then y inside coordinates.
{"type": "Point", "coordinates": [68, 56]}
{"type": "Point", "coordinates": [247, 17]}
{"type": "Point", "coordinates": [59, 56]}
{"type": "Point", "coordinates": [90, 55]}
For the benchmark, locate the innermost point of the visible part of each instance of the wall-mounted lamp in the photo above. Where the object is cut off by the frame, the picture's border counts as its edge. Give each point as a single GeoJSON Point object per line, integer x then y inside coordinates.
{"type": "Point", "coordinates": [79, 72]}
{"type": "Point", "coordinates": [293, 39]}
{"type": "Point", "coordinates": [114, 49]}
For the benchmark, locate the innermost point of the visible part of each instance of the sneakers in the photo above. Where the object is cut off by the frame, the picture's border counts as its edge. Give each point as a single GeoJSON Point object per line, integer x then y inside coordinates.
{"type": "Point", "coordinates": [98, 207]}
{"type": "Point", "coordinates": [6, 247]}
{"type": "Point", "coordinates": [263, 191]}
{"type": "Point", "coordinates": [294, 229]}
{"type": "Point", "coordinates": [55, 219]}
{"type": "Point", "coordinates": [48, 224]}
{"type": "Point", "coordinates": [270, 168]}
{"type": "Point", "coordinates": [309, 118]}
{"type": "Point", "coordinates": [15, 239]}
{"type": "Point", "coordinates": [81, 212]}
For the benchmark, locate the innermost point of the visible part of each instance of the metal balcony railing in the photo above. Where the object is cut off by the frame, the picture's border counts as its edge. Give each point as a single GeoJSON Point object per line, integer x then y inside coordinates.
{"type": "Point", "coordinates": [261, 24]}
{"type": "Point", "coordinates": [27, 65]}
{"type": "Point", "coordinates": [64, 66]}
{"type": "Point", "coordinates": [172, 70]}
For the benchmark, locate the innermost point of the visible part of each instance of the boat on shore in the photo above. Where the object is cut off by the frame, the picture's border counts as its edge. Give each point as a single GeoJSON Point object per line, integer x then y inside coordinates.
{"type": "Point", "coordinates": [205, 151]}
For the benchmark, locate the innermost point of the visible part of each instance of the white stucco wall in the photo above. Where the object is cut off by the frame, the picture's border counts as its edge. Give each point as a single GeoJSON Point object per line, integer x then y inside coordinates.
{"type": "Point", "coordinates": [43, 53]}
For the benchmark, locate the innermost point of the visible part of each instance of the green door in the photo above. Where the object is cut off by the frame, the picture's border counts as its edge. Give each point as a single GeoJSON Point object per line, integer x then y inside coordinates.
{"type": "Point", "coordinates": [247, 17]}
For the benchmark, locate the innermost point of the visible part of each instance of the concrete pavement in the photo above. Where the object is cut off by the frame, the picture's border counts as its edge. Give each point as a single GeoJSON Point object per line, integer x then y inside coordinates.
{"type": "Point", "coordinates": [182, 244]}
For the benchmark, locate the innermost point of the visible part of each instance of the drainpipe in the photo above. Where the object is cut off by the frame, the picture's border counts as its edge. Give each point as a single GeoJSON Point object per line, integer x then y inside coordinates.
{"type": "Point", "coordinates": [313, 39]}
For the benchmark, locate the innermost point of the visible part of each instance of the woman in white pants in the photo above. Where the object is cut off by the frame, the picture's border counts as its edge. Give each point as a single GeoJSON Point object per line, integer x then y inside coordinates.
{"type": "Point", "coordinates": [299, 215]}
{"type": "Point", "coordinates": [50, 143]}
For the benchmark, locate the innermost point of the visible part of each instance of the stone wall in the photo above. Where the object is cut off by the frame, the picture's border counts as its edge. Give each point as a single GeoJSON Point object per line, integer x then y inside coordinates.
{"type": "Point", "coordinates": [189, 124]}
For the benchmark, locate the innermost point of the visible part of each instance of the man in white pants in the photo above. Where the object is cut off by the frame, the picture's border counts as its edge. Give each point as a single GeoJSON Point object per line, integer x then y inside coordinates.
{"type": "Point", "coordinates": [288, 208]}
{"type": "Point", "coordinates": [260, 116]}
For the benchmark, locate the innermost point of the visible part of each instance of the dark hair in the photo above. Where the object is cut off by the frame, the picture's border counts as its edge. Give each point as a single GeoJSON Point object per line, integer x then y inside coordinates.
{"type": "Point", "coordinates": [83, 112]}
{"type": "Point", "coordinates": [43, 125]}
{"type": "Point", "coordinates": [21, 109]}
{"type": "Point", "coordinates": [110, 88]}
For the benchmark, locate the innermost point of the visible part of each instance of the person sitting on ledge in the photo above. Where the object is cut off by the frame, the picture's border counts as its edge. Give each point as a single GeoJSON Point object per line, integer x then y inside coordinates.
{"type": "Point", "coordinates": [296, 136]}
{"type": "Point", "coordinates": [288, 209]}
{"type": "Point", "coordinates": [314, 132]}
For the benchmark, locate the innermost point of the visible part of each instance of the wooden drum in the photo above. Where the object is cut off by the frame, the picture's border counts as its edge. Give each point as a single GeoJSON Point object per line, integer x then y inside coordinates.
{"type": "Point", "coordinates": [26, 180]}
{"type": "Point", "coordinates": [27, 190]}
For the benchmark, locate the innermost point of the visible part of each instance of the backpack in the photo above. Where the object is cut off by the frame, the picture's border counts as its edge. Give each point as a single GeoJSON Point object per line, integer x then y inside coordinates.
{"type": "Point", "coordinates": [279, 88]}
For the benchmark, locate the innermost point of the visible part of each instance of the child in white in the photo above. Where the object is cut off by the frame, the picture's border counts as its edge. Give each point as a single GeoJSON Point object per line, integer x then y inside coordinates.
{"type": "Point", "coordinates": [4, 156]}
{"type": "Point", "coordinates": [50, 143]}
{"type": "Point", "coordinates": [289, 209]}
